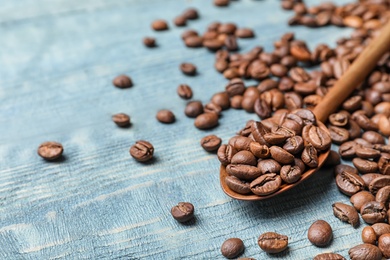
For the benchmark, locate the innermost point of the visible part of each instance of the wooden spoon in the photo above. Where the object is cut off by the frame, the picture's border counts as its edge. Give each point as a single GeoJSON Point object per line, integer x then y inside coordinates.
{"type": "Point", "coordinates": [355, 74]}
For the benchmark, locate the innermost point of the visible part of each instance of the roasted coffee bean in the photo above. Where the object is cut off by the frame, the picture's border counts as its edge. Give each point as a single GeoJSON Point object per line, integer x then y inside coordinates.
{"type": "Point", "coordinates": [206, 121]}
{"type": "Point", "coordinates": [373, 212]}
{"type": "Point", "coordinates": [165, 116]}
{"type": "Point", "coordinates": [269, 166]}
{"type": "Point", "coordinates": [231, 43]}
{"type": "Point", "coordinates": [227, 28]}
{"type": "Point", "coordinates": [247, 130]}
{"type": "Point", "coordinates": [347, 150]}
{"type": "Point", "coordinates": [236, 101]}
{"type": "Point", "coordinates": [244, 157]}
{"type": "Point", "coordinates": [221, 99]}
{"type": "Point", "coordinates": [240, 142]}
{"type": "Point", "coordinates": [232, 248]}
{"type": "Point", "coordinates": [293, 101]}
{"type": "Point", "coordinates": [184, 91]}
{"type": "Point", "coordinates": [365, 252]}
{"type": "Point", "coordinates": [212, 108]}
{"type": "Point", "coordinates": [183, 212]}
{"type": "Point", "coordinates": [349, 183]}
{"type": "Point", "coordinates": [258, 131]}
{"type": "Point", "coordinates": [272, 242]}
{"type": "Point", "coordinates": [307, 116]}
{"type": "Point", "coordinates": [248, 104]}
{"type": "Point", "coordinates": [244, 33]}
{"type": "Point", "coordinates": [259, 150]}
{"type": "Point", "coordinates": [225, 154]}
{"type": "Point", "coordinates": [294, 145]}
{"type": "Point", "coordinates": [121, 119]}
{"type": "Point", "coordinates": [354, 129]}
{"type": "Point", "coordinates": [122, 81]}
{"type": "Point", "coordinates": [352, 103]}
{"type": "Point", "coordinates": [292, 122]}
{"type": "Point", "coordinates": [290, 174]}
{"type": "Point", "coordinates": [382, 148]}
{"type": "Point", "coordinates": [332, 160]}
{"type": "Point", "coordinates": [373, 137]}
{"type": "Point", "coordinates": [340, 66]}
{"type": "Point", "coordinates": [50, 150]}
{"type": "Point", "coordinates": [243, 171]}
{"type": "Point", "coordinates": [338, 135]}
{"type": "Point", "coordinates": [149, 42]}
{"type": "Point", "coordinates": [212, 44]}
{"type": "Point", "coordinates": [211, 143]}
{"type": "Point", "coordinates": [380, 229]}
{"type": "Point", "coordinates": [277, 129]}
{"type": "Point", "coordinates": [180, 20]}
{"type": "Point", "coordinates": [298, 74]}
{"type": "Point", "coordinates": [221, 2]}
{"type": "Point", "coordinates": [189, 33]}
{"type": "Point", "coordinates": [383, 196]}
{"type": "Point", "coordinates": [193, 41]}
{"type": "Point", "coordinates": [237, 185]}
{"type": "Point", "coordinates": [369, 177]}
{"type": "Point", "coordinates": [309, 156]}
{"type": "Point", "coordinates": [384, 245]}
{"type": "Point", "coordinates": [142, 151]}
{"type": "Point", "coordinates": [344, 167]}
{"type": "Point", "coordinates": [364, 122]}
{"type": "Point", "coordinates": [231, 73]}
{"type": "Point", "coordinates": [273, 138]}
{"type": "Point", "coordinates": [368, 235]}
{"type": "Point", "coordinates": [193, 109]}
{"type": "Point", "coordinates": [361, 198]}
{"type": "Point", "coordinates": [160, 25]}
{"type": "Point", "coordinates": [235, 87]}
{"type": "Point", "coordinates": [320, 233]}
{"type": "Point", "coordinates": [365, 166]}
{"type": "Point", "coordinates": [191, 14]}
{"type": "Point", "coordinates": [266, 85]}
{"type": "Point", "coordinates": [188, 69]}
{"type": "Point", "coordinates": [328, 256]}
{"type": "Point", "coordinates": [266, 184]}
{"type": "Point", "coordinates": [346, 213]}
{"type": "Point", "coordinates": [300, 52]}
{"type": "Point", "coordinates": [278, 70]}
{"type": "Point", "coordinates": [305, 88]}
{"type": "Point", "coordinates": [280, 155]}
{"type": "Point", "coordinates": [363, 143]}
{"type": "Point", "coordinates": [367, 153]}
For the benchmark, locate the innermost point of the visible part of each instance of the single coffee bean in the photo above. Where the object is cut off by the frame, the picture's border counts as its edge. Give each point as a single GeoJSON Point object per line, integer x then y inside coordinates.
{"type": "Point", "coordinates": [188, 69]}
{"type": "Point", "coordinates": [298, 74]}
{"type": "Point", "coordinates": [246, 131]}
{"type": "Point", "coordinates": [369, 177]}
{"type": "Point", "coordinates": [121, 120]}
{"type": "Point", "coordinates": [300, 52]}
{"type": "Point", "coordinates": [332, 160]}
{"type": "Point", "coordinates": [280, 155]}
{"type": "Point", "coordinates": [290, 174]}
{"type": "Point", "coordinates": [193, 109]}
{"type": "Point", "coordinates": [227, 28]}
{"type": "Point", "coordinates": [380, 229]}
{"type": "Point", "coordinates": [309, 156]}
{"type": "Point", "coordinates": [193, 41]}
{"type": "Point", "coordinates": [364, 252]}
{"type": "Point", "coordinates": [367, 153]}
{"type": "Point", "coordinates": [259, 150]}
{"type": "Point", "coordinates": [262, 109]}
{"type": "Point", "coordinates": [365, 166]}
{"type": "Point", "coordinates": [236, 101]}
{"type": "Point", "coordinates": [165, 116]}
{"type": "Point", "coordinates": [221, 99]}
{"type": "Point", "coordinates": [373, 212]}
{"type": "Point", "coordinates": [160, 25]}
{"type": "Point", "coordinates": [382, 148]}
{"type": "Point", "coordinates": [383, 196]}
{"type": "Point", "coordinates": [142, 151]}
{"type": "Point", "coordinates": [368, 235]}
{"type": "Point", "coordinates": [221, 2]}
{"type": "Point", "coordinates": [307, 116]}
{"type": "Point", "coordinates": [384, 164]}
{"type": "Point", "coordinates": [366, 124]}
{"type": "Point", "coordinates": [212, 108]}
{"type": "Point", "coordinates": [183, 212]}
{"type": "Point", "coordinates": [211, 143]}
{"type": "Point", "coordinates": [272, 242]}
{"type": "Point", "coordinates": [212, 44]}
{"type": "Point", "coordinates": [50, 150]}
{"type": "Point", "coordinates": [316, 136]}
{"type": "Point", "coordinates": [347, 150]}
{"type": "Point", "coordinates": [328, 256]}
{"type": "Point", "coordinates": [346, 213]}
{"type": "Point", "coordinates": [373, 137]}
{"type": "Point", "coordinates": [244, 33]}
{"type": "Point", "coordinates": [191, 14]}
{"type": "Point", "coordinates": [206, 121]}
{"type": "Point", "coordinates": [352, 103]}
{"type": "Point", "coordinates": [294, 145]}
{"type": "Point", "coordinates": [258, 131]}
{"type": "Point", "coordinates": [349, 183]}
{"type": "Point", "coordinates": [361, 198]}
{"type": "Point", "coordinates": [354, 129]}
{"type": "Point", "coordinates": [266, 184]}
{"type": "Point", "coordinates": [231, 43]}
{"type": "Point", "coordinates": [244, 157]}
{"type": "Point", "coordinates": [320, 233]}
{"type": "Point", "coordinates": [149, 42]}
{"type": "Point", "coordinates": [235, 87]}
{"type": "Point", "coordinates": [180, 21]}
{"type": "Point", "coordinates": [273, 138]}
{"type": "Point", "coordinates": [237, 185]}
{"type": "Point", "coordinates": [232, 248]}
{"type": "Point", "coordinates": [338, 135]}
{"type": "Point", "coordinates": [384, 245]}
{"type": "Point", "coordinates": [243, 171]}
{"type": "Point", "coordinates": [240, 142]}
{"type": "Point", "coordinates": [277, 129]}
{"type": "Point", "coordinates": [338, 119]}
{"type": "Point", "coordinates": [269, 166]}
{"type": "Point", "coordinates": [278, 70]}
{"type": "Point", "coordinates": [344, 167]}
{"type": "Point", "coordinates": [122, 81]}
{"type": "Point", "coordinates": [184, 91]}
{"type": "Point", "coordinates": [225, 154]}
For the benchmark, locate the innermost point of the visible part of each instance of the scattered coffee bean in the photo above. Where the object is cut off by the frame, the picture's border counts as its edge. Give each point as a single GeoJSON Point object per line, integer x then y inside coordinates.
{"type": "Point", "coordinates": [188, 69]}
{"type": "Point", "coordinates": [349, 183]}
{"type": "Point", "coordinates": [206, 121]}
{"type": "Point", "coordinates": [193, 109]}
{"type": "Point", "coordinates": [193, 41]}
{"type": "Point", "coordinates": [346, 213]}
{"type": "Point", "coordinates": [320, 233]}
{"type": "Point", "coordinates": [380, 229]}
{"type": "Point", "coordinates": [373, 212]}
{"type": "Point", "coordinates": [211, 143]}
{"type": "Point", "coordinates": [272, 242]}
{"type": "Point", "coordinates": [121, 120]}
{"type": "Point", "coordinates": [328, 256]}
{"type": "Point", "coordinates": [244, 33]}
{"type": "Point", "coordinates": [180, 21]}
{"type": "Point", "coordinates": [232, 248]}
{"type": "Point", "coordinates": [368, 235]}
{"type": "Point", "coordinates": [165, 116]}
{"type": "Point", "coordinates": [221, 2]}
{"type": "Point", "coordinates": [160, 25]}
{"type": "Point", "coordinates": [184, 91]}
{"type": "Point", "coordinates": [50, 150]}
{"type": "Point", "coordinates": [365, 252]}
{"type": "Point", "coordinates": [361, 198]}
{"type": "Point", "coordinates": [142, 151]}
{"type": "Point", "coordinates": [183, 212]}
{"type": "Point", "coordinates": [149, 42]}
{"type": "Point", "coordinates": [122, 81]}
{"type": "Point", "coordinates": [191, 14]}
{"type": "Point", "coordinates": [383, 196]}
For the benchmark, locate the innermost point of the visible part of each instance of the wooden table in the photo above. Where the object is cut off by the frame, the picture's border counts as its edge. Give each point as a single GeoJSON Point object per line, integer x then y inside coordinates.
{"type": "Point", "coordinates": [57, 60]}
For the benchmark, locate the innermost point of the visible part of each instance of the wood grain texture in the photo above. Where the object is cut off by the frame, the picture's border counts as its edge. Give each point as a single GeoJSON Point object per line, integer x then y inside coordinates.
{"type": "Point", "coordinates": [58, 58]}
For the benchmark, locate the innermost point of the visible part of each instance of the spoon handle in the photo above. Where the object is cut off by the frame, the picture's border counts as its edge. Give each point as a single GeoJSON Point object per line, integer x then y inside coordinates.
{"type": "Point", "coordinates": [355, 74]}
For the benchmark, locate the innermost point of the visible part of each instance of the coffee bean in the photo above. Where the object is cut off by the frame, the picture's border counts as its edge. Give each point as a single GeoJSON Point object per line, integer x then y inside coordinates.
{"type": "Point", "coordinates": [338, 135]}
{"type": "Point", "coordinates": [142, 151]}
{"type": "Point", "coordinates": [344, 167]}
{"type": "Point", "coordinates": [365, 166]}
{"type": "Point", "coordinates": [213, 44]}
{"type": "Point", "coordinates": [122, 81]}
{"type": "Point", "coordinates": [193, 41]}
{"type": "Point", "coordinates": [346, 213]}
{"type": "Point", "coordinates": [206, 121]}
{"type": "Point", "coordinates": [364, 252]}
{"type": "Point", "coordinates": [243, 171]}
{"type": "Point", "coordinates": [349, 183]}
{"type": "Point", "coordinates": [298, 74]}
{"type": "Point", "coordinates": [361, 198]}
{"type": "Point", "coordinates": [221, 99]}
{"type": "Point", "coordinates": [383, 196]}
{"type": "Point", "coordinates": [368, 235]}
{"type": "Point", "coordinates": [384, 245]}
{"type": "Point", "coordinates": [121, 120]}
{"type": "Point", "coordinates": [244, 33]}
{"type": "Point", "coordinates": [165, 116]}
{"type": "Point", "coordinates": [332, 160]}
{"type": "Point", "coordinates": [225, 154]}
{"type": "Point", "coordinates": [227, 28]}
{"type": "Point", "coordinates": [354, 129]}
{"type": "Point", "coordinates": [221, 2]}
{"type": "Point", "coordinates": [244, 157]}
{"type": "Point", "coordinates": [278, 70]}
{"type": "Point", "coordinates": [316, 136]}
{"type": "Point", "coordinates": [307, 116]}
{"type": "Point", "coordinates": [367, 153]}
{"type": "Point", "coordinates": [212, 108]}
{"type": "Point", "coordinates": [50, 150]}
{"type": "Point", "coordinates": [232, 248]}
{"type": "Point", "coordinates": [328, 256]}
{"type": "Point", "coordinates": [180, 21]}
{"type": "Point", "coordinates": [273, 138]}
{"type": "Point", "coordinates": [338, 119]}
{"type": "Point", "coordinates": [380, 229]}
{"type": "Point", "coordinates": [294, 145]}
{"type": "Point", "coordinates": [235, 87]}
{"type": "Point", "coordinates": [231, 43]}
{"type": "Point", "coordinates": [188, 69]}
{"type": "Point", "coordinates": [340, 66]}
{"type": "Point", "coordinates": [149, 42]}
{"type": "Point", "coordinates": [309, 156]}
{"type": "Point", "coordinates": [160, 25]}
{"type": "Point", "coordinates": [369, 177]}
{"type": "Point", "coordinates": [193, 109]}
{"type": "Point", "coordinates": [272, 242]}
{"type": "Point", "coordinates": [373, 137]}
{"type": "Point", "coordinates": [211, 143]}
{"type": "Point", "coordinates": [237, 185]}
{"type": "Point", "coordinates": [365, 123]}
{"type": "Point", "coordinates": [259, 150]}
{"type": "Point", "coordinates": [221, 65]}
{"type": "Point", "coordinates": [240, 142]}
{"type": "Point", "coordinates": [184, 91]}
{"type": "Point", "coordinates": [269, 166]}
{"type": "Point", "coordinates": [320, 233]}
{"type": "Point", "coordinates": [347, 150]}
{"type": "Point", "coordinates": [373, 212]}
{"type": "Point", "coordinates": [191, 14]}
{"type": "Point", "coordinates": [280, 155]}
{"type": "Point", "coordinates": [290, 174]}
{"type": "Point", "coordinates": [183, 212]}
{"type": "Point", "coordinates": [353, 103]}
{"type": "Point", "coordinates": [266, 184]}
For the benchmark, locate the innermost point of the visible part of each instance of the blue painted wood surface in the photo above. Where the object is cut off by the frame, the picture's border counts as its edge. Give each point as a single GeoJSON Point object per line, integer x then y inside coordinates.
{"type": "Point", "coordinates": [57, 60]}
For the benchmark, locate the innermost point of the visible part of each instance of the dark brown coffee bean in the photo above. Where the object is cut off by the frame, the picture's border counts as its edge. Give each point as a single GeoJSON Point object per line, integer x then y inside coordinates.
{"type": "Point", "coordinates": [206, 121]}
{"type": "Point", "coordinates": [189, 33]}
{"type": "Point", "coordinates": [364, 252]}
{"type": "Point", "coordinates": [262, 109]}
{"type": "Point", "coordinates": [273, 138]}
{"type": "Point", "coordinates": [349, 183]}
{"type": "Point", "coordinates": [221, 2]}
{"type": "Point", "coordinates": [347, 150]}
{"type": "Point", "coordinates": [344, 167]}
{"type": "Point", "coordinates": [50, 150]}
{"type": "Point", "coordinates": [237, 185]}
{"type": "Point", "coordinates": [367, 153]}
{"type": "Point", "coordinates": [235, 87]}
{"type": "Point", "coordinates": [373, 137]}
{"type": "Point", "coordinates": [361, 198]}
{"type": "Point", "coordinates": [240, 142]}
{"type": "Point", "coordinates": [236, 101]}
{"type": "Point", "coordinates": [212, 108]}
{"type": "Point", "coordinates": [383, 196]}
{"type": "Point", "coordinates": [269, 166]}
{"type": "Point", "coordinates": [180, 20]}
{"type": "Point", "coordinates": [183, 211]}
{"type": "Point", "coordinates": [290, 174]}
{"type": "Point", "coordinates": [248, 103]}
{"type": "Point", "coordinates": [307, 116]}
{"type": "Point", "coordinates": [227, 28]}
{"type": "Point", "coordinates": [340, 66]}
{"type": "Point", "coordinates": [165, 116]}
{"type": "Point", "coordinates": [294, 145]}
{"type": "Point", "coordinates": [320, 233]}
{"type": "Point", "coordinates": [122, 81]}
{"type": "Point", "coordinates": [232, 248]}
{"type": "Point", "coordinates": [142, 151]}
{"type": "Point", "coordinates": [231, 43]}
{"type": "Point", "coordinates": [363, 143]}
{"type": "Point", "coordinates": [225, 154]}
{"type": "Point", "coordinates": [298, 74]}
{"type": "Point", "coordinates": [244, 33]}
{"type": "Point", "coordinates": [188, 69]}
{"type": "Point", "coordinates": [369, 177]}
{"type": "Point", "coordinates": [368, 235]}
{"type": "Point", "coordinates": [346, 213]}
{"type": "Point", "coordinates": [160, 25]}
{"type": "Point", "coordinates": [373, 212]}
{"type": "Point", "coordinates": [364, 122]}
{"type": "Point", "coordinates": [354, 129]}
{"type": "Point", "coordinates": [121, 120]}
{"type": "Point", "coordinates": [193, 41]}
{"type": "Point", "coordinates": [338, 119]}
{"type": "Point", "coordinates": [328, 256]}
{"type": "Point", "coordinates": [380, 229]}
{"type": "Point", "coordinates": [149, 42]}
{"type": "Point", "coordinates": [382, 148]}
{"type": "Point", "coordinates": [266, 184]}
{"type": "Point", "coordinates": [191, 14]}
{"type": "Point", "coordinates": [293, 101]}
{"type": "Point", "coordinates": [244, 157]}
{"type": "Point", "coordinates": [352, 103]}
{"type": "Point", "coordinates": [384, 245]}
{"type": "Point", "coordinates": [259, 150]}
{"type": "Point", "coordinates": [231, 73]}
{"type": "Point", "coordinates": [258, 70]}
{"type": "Point", "coordinates": [266, 85]}
{"type": "Point", "coordinates": [243, 171]}
{"type": "Point", "coordinates": [210, 143]}
{"type": "Point", "coordinates": [278, 70]}
{"type": "Point", "coordinates": [365, 166]}
{"type": "Point", "coordinates": [332, 160]}
{"type": "Point", "coordinates": [193, 109]}
{"type": "Point", "coordinates": [317, 137]}
{"type": "Point", "coordinates": [338, 135]}
{"type": "Point", "coordinates": [300, 52]}
{"type": "Point", "coordinates": [221, 99]}
{"type": "Point", "coordinates": [184, 91]}
{"type": "Point", "coordinates": [212, 44]}
{"type": "Point", "coordinates": [277, 129]}
{"type": "Point", "coordinates": [272, 242]}
{"type": "Point", "coordinates": [280, 155]}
